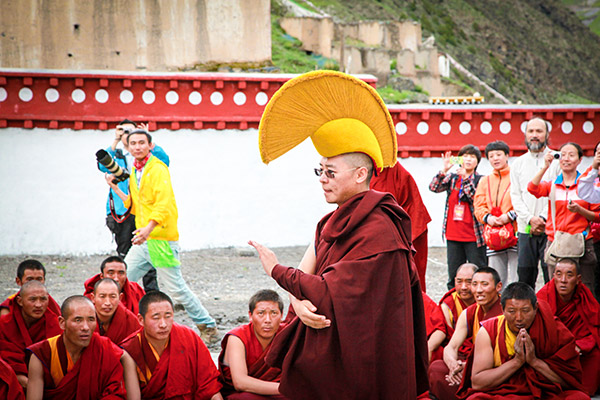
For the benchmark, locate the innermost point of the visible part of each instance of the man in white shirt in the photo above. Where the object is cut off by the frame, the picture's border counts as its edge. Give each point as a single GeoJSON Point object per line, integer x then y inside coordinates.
{"type": "Point", "coordinates": [532, 213]}
{"type": "Point", "coordinates": [587, 188]}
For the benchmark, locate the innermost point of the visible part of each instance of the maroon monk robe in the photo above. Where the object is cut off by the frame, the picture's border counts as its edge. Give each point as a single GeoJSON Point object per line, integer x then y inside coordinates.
{"type": "Point", "coordinates": [132, 293]}
{"type": "Point", "coordinates": [434, 321]}
{"type": "Point", "coordinates": [554, 345]}
{"type": "Point", "coordinates": [367, 284]}
{"type": "Point", "coordinates": [255, 362]}
{"type": "Point", "coordinates": [10, 388]}
{"type": "Point", "coordinates": [10, 302]}
{"type": "Point", "coordinates": [581, 316]}
{"type": "Point", "coordinates": [185, 369]}
{"type": "Point", "coordinates": [400, 183]}
{"type": "Point", "coordinates": [97, 374]}
{"type": "Point", "coordinates": [438, 369]}
{"type": "Point", "coordinates": [122, 325]}
{"type": "Point", "coordinates": [15, 337]}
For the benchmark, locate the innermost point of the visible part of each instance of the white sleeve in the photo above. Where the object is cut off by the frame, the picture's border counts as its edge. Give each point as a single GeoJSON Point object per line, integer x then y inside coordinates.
{"type": "Point", "coordinates": [586, 188]}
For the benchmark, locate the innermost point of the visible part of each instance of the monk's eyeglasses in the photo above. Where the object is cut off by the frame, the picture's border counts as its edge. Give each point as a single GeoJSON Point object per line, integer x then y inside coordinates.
{"type": "Point", "coordinates": [329, 173]}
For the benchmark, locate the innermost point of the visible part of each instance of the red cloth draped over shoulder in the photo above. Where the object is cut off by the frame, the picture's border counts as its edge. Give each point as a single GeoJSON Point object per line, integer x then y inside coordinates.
{"type": "Point", "coordinates": [456, 306]}
{"type": "Point", "coordinates": [185, 369]}
{"type": "Point", "coordinates": [475, 316]}
{"type": "Point", "coordinates": [581, 316]}
{"type": "Point", "coordinates": [367, 284]}
{"type": "Point", "coordinates": [434, 321]}
{"type": "Point", "coordinates": [15, 337]}
{"type": "Point", "coordinates": [132, 293]}
{"type": "Point", "coordinates": [122, 325]}
{"type": "Point", "coordinates": [10, 303]}
{"type": "Point", "coordinates": [400, 183]}
{"type": "Point", "coordinates": [255, 358]}
{"type": "Point", "coordinates": [97, 374]}
{"type": "Point", "coordinates": [554, 345]}
{"type": "Point", "coordinates": [10, 388]}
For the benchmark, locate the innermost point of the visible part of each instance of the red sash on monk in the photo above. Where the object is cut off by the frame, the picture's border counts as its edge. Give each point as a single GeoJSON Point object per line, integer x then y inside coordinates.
{"type": "Point", "coordinates": [10, 302]}
{"type": "Point", "coordinates": [132, 293]}
{"type": "Point", "coordinates": [581, 315]}
{"type": "Point", "coordinates": [15, 337]}
{"type": "Point", "coordinates": [255, 358]}
{"type": "Point", "coordinates": [434, 321]}
{"type": "Point", "coordinates": [122, 325]}
{"type": "Point", "coordinates": [10, 388]}
{"type": "Point", "coordinates": [475, 316]}
{"type": "Point", "coordinates": [554, 345]}
{"type": "Point", "coordinates": [97, 374]}
{"type": "Point", "coordinates": [366, 282]}
{"type": "Point", "coordinates": [185, 369]}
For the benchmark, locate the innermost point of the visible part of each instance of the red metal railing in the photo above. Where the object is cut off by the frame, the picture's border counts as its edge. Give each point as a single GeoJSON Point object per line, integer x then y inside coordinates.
{"type": "Point", "coordinates": [98, 100]}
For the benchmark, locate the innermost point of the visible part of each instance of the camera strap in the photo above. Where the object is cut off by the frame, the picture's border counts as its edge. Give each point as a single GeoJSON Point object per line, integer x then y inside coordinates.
{"type": "Point", "coordinates": [111, 203]}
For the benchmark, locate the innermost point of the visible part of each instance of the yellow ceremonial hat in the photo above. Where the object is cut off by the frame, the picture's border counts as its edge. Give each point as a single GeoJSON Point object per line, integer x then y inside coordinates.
{"type": "Point", "coordinates": [340, 113]}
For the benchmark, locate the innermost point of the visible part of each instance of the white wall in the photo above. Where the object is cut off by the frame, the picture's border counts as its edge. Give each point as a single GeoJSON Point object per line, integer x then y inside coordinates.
{"type": "Point", "coordinates": [52, 197]}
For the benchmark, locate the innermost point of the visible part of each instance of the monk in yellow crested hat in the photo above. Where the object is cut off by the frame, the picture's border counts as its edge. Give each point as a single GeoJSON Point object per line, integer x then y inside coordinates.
{"type": "Point", "coordinates": [341, 114]}
{"type": "Point", "coordinates": [356, 293]}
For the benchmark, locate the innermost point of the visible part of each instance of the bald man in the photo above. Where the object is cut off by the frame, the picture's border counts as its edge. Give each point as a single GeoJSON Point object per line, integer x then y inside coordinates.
{"type": "Point", "coordinates": [114, 321]}
{"type": "Point", "coordinates": [459, 297]}
{"type": "Point", "coordinates": [77, 363]}
{"type": "Point", "coordinates": [30, 321]}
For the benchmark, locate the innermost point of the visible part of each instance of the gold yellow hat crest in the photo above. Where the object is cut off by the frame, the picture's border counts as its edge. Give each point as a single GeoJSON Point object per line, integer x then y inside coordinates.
{"type": "Point", "coordinates": [340, 113]}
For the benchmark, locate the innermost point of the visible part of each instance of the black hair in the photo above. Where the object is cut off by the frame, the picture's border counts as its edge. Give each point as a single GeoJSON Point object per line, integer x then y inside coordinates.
{"type": "Point", "coordinates": [152, 297]}
{"type": "Point", "coordinates": [498, 145]}
{"type": "Point", "coordinates": [570, 260]}
{"type": "Point", "coordinates": [127, 121]}
{"type": "Point", "coordinates": [489, 270]}
{"type": "Point", "coordinates": [110, 260]}
{"type": "Point", "coordinates": [578, 147]}
{"type": "Point", "coordinates": [30, 264]}
{"type": "Point", "coordinates": [470, 149]}
{"type": "Point", "coordinates": [518, 291]}
{"type": "Point", "coordinates": [140, 132]}
{"type": "Point", "coordinates": [101, 281]}
{"type": "Point", "coordinates": [66, 305]}
{"type": "Point", "coordinates": [265, 295]}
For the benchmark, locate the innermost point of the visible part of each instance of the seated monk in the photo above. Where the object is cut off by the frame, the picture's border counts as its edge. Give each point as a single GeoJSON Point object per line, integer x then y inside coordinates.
{"type": "Point", "coordinates": [78, 363]}
{"type": "Point", "coordinates": [30, 321]}
{"type": "Point", "coordinates": [29, 270]}
{"type": "Point", "coordinates": [244, 373]}
{"type": "Point", "coordinates": [445, 375]}
{"type": "Point", "coordinates": [575, 306]}
{"type": "Point", "coordinates": [459, 297]}
{"type": "Point", "coordinates": [113, 320]}
{"type": "Point", "coordinates": [526, 353]}
{"type": "Point", "coordinates": [172, 361]}
{"type": "Point", "coordinates": [436, 327]}
{"type": "Point", "coordinates": [114, 267]}
{"type": "Point", "coordinates": [10, 389]}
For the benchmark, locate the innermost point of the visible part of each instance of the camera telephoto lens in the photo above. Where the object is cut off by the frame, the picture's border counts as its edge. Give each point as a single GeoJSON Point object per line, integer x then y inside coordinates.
{"type": "Point", "coordinates": [105, 159]}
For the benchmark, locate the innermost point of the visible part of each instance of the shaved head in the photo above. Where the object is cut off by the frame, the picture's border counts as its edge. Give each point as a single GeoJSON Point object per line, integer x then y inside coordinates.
{"type": "Point", "coordinates": [71, 302]}
{"type": "Point", "coordinates": [359, 160]}
{"type": "Point", "coordinates": [28, 286]}
{"type": "Point", "coordinates": [467, 268]}
{"type": "Point", "coordinates": [107, 281]}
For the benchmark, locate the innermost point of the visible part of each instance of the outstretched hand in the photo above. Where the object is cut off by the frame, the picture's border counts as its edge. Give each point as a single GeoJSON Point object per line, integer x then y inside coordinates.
{"type": "Point", "coordinates": [267, 257]}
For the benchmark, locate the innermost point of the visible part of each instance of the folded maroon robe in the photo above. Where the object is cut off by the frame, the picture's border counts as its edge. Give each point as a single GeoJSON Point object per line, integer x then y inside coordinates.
{"type": "Point", "coordinates": [15, 337]}
{"type": "Point", "coordinates": [581, 316]}
{"type": "Point", "coordinates": [400, 183]}
{"type": "Point", "coordinates": [132, 293]}
{"type": "Point", "coordinates": [10, 388]}
{"type": "Point", "coordinates": [434, 321]}
{"type": "Point", "coordinates": [185, 369]}
{"type": "Point", "coordinates": [255, 358]}
{"type": "Point", "coordinates": [554, 345]}
{"type": "Point", "coordinates": [367, 284]}
{"type": "Point", "coordinates": [97, 374]}
{"type": "Point", "coordinates": [122, 325]}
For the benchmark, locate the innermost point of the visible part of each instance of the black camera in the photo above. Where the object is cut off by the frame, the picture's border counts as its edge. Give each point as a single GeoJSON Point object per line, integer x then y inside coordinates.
{"type": "Point", "coordinates": [105, 159]}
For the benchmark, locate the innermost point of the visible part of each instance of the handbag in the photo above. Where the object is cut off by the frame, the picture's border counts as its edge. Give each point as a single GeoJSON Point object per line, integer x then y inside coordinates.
{"type": "Point", "coordinates": [499, 237]}
{"type": "Point", "coordinates": [565, 245]}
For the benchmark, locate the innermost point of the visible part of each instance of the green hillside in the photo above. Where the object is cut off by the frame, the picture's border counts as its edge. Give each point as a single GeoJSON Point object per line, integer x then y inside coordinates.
{"type": "Point", "coordinates": [534, 51]}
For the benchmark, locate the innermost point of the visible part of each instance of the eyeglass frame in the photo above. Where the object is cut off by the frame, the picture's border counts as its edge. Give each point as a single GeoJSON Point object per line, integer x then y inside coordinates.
{"type": "Point", "coordinates": [329, 173]}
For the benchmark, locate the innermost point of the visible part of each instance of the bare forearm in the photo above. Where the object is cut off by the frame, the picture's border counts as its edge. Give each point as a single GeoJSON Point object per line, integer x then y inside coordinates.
{"type": "Point", "coordinates": [257, 386]}
{"type": "Point", "coordinates": [493, 377]}
{"type": "Point", "coordinates": [537, 178]}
